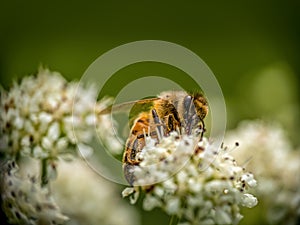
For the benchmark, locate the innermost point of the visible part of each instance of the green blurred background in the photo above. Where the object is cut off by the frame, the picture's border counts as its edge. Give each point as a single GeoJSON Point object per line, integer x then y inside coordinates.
{"type": "Point", "coordinates": [252, 48]}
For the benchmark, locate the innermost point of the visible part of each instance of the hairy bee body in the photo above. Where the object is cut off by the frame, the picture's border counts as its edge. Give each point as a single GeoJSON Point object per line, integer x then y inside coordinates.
{"type": "Point", "coordinates": [171, 111]}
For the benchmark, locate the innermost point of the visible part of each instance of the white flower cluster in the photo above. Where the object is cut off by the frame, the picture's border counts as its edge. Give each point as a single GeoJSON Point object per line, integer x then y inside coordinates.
{"type": "Point", "coordinates": [267, 152]}
{"type": "Point", "coordinates": [87, 198]}
{"type": "Point", "coordinates": [38, 115]}
{"type": "Point", "coordinates": [42, 119]}
{"type": "Point", "coordinates": [207, 188]}
{"type": "Point", "coordinates": [24, 201]}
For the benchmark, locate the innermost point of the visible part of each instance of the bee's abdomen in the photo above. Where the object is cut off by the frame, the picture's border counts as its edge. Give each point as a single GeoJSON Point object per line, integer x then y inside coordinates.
{"type": "Point", "coordinates": [134, 145]}
{"type": "Point", "coordinates": [136, 140]}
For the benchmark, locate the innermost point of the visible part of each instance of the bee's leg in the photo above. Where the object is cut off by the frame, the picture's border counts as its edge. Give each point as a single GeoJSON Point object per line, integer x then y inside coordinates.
{"type": "Point", "coordinates": [158, 123]}
{"type": "Point", "coordinates": [202, 127]}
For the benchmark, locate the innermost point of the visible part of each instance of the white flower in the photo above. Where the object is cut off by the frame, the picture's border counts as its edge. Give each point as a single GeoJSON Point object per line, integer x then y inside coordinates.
{"type": "Point", "coordinates": [24, 201]}
{"type": "Point", "coordinates": [87, 198]}
{"type": "Point", "coordinates": [265, 150]}
{"type": "Point", "coordinates": [249, 200]}
{"type": "Point", "coordinates": [41, 112]}
{"type": "Point", "coordinates": [193, 181]}
{"type": "Point", "coordinates": [46, 118]}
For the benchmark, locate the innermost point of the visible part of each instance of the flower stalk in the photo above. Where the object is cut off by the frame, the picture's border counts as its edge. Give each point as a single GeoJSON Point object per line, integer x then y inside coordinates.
{"type": "Point", "coordinates": [44, 172]}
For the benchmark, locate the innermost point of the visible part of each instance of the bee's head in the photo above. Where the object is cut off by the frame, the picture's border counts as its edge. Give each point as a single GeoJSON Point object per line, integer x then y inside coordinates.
{"type": "Point", "coordinates": [195, 109]}
{"type": "Point", "coordinates": [201, 105]}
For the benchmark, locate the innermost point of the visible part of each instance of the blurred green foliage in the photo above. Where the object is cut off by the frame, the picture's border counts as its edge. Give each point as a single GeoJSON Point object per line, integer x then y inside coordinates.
{"type": "Point", "coordinates": [252, 47]}
{"type": "Point", "coordinates": [235, 39]}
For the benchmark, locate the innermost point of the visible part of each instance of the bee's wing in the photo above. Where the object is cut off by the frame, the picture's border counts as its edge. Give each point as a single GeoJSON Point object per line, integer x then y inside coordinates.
{"type": "Point", "coordinates": [123, 107]}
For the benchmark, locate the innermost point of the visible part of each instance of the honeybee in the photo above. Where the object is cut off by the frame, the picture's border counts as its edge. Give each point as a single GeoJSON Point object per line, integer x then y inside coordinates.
{"type": "Point", "coordinates": [170, 111]}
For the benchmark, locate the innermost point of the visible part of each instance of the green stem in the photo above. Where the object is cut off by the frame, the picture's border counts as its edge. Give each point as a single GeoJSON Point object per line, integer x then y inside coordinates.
{"type": "Point", "coordinates": [174, 220]}
{"type": "Point", "coordinates": [44, 176]}
{"type": "Point", "coordinates": [171, 220]}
